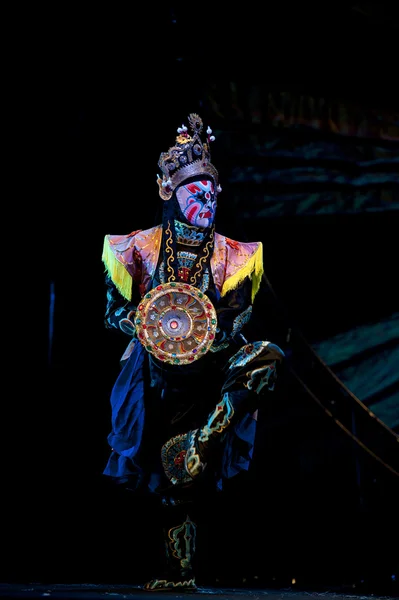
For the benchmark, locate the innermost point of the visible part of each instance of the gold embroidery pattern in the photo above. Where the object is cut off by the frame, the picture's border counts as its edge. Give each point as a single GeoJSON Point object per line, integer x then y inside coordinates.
{"type": "Point", "coordinates": [192, 461]}
{"type": "Point", "coordinates": [261, 377]}
{"type": "Point", "coordinates": [173, 455]}
{"type": "Point", "coordinates": [246, 354]}
{"type": "Point", "coordinates": [163, 584]}
{"type": "Point", "coordinates": [169, 250]}
{"type": "Point", "coordinates": [222, 346]}
{"type": "Point", "coordinates": [203, 258]}
{"type": "Point", "coordinates": [181, 259]}
{"type": "Point", "coordinates": [218, 420]}
{"type": "Point", "coordinates": [241, 320]}
{"type": "Point", "coordinates": [182, 542]}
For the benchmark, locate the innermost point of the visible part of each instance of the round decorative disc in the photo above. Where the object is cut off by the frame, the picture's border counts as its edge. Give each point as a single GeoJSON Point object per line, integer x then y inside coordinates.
{"type": "Point", "coordinates": [176, 322]}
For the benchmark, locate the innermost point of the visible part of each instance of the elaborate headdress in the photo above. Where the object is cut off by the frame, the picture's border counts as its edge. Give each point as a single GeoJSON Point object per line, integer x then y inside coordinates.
{"type": "Point", "coordinates": [187, 158]}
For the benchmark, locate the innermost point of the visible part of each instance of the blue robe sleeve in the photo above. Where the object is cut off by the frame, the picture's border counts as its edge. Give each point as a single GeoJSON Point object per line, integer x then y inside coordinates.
{"type": "Point", "coordinates": [127, 417]}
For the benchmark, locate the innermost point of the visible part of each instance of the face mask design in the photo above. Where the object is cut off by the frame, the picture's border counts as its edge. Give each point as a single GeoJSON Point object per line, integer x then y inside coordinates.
{"type": "Point", "coordinates": [197, 202]}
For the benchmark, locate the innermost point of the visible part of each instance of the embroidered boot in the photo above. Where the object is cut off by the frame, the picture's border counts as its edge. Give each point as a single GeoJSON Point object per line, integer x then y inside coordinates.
{"type": "Point", "coordinates": [179, 553]}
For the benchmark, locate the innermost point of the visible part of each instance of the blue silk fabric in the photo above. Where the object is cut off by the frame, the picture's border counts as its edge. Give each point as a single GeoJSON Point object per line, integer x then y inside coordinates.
{"type": "Point", "coordinates": [144, 405]}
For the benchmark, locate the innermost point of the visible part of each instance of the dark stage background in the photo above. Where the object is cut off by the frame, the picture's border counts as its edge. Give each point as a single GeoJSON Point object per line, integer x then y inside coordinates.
{"type": "Point", "coordinates": [309, 169]}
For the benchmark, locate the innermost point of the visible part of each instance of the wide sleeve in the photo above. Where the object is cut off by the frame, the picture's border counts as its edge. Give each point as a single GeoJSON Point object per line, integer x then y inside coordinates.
{"type": "Point", "coordinates": [119, 312]}
{"type": "Point", "coordinates": [123, 267]}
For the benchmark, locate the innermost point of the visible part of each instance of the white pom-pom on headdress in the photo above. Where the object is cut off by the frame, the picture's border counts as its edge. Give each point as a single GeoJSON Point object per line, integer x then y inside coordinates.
{"type": "Point", "coordinates": [211, 138]}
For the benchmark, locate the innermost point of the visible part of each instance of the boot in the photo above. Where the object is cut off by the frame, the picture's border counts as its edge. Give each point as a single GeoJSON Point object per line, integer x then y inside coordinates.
{"type": "Point", "coordinates": [178, 573]}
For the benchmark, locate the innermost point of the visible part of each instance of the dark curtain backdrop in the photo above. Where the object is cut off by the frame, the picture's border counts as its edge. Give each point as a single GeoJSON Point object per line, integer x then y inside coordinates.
{"type": "Point", "coordinates": [316, 178]}
{"type": "Point", "coordinates": [322, 164]}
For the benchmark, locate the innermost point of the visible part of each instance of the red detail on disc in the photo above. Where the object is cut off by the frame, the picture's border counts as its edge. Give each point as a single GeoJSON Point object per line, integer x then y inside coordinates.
{"type": "Point", "coordinates": [179, 458]}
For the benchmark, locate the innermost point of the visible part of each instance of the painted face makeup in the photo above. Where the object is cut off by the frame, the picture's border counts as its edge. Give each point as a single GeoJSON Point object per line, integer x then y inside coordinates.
{"type": "Point", "coordinates": [197, 202]}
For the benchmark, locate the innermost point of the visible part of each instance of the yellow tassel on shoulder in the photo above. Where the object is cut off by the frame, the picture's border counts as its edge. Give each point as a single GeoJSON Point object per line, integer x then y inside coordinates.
{"type": "Point", "coordinates": [253, 269]}
{"type": "Point", "coordinates": [116, 270]}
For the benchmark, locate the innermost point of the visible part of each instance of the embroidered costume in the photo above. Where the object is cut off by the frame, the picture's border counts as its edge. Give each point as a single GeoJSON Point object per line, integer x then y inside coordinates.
{"type": "Point", "coordinates": [184, 404]}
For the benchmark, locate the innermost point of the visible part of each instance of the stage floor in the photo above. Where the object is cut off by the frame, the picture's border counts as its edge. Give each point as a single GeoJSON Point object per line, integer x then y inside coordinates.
{"type": "Point", "coordinates": [89, 591]}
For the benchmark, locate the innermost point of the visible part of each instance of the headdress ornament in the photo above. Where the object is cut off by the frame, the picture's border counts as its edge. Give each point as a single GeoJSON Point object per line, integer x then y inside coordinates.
{"type": "Point", "coordinates": [190, 156]}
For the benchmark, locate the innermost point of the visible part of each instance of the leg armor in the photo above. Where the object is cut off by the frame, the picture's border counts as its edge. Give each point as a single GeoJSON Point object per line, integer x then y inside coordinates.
{"type": "Point", "coordinates": [250, 374]}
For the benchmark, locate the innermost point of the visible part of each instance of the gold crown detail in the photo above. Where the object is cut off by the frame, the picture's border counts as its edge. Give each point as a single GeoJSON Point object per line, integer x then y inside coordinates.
{"type": "Point", "coordinates": [187, 158]}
